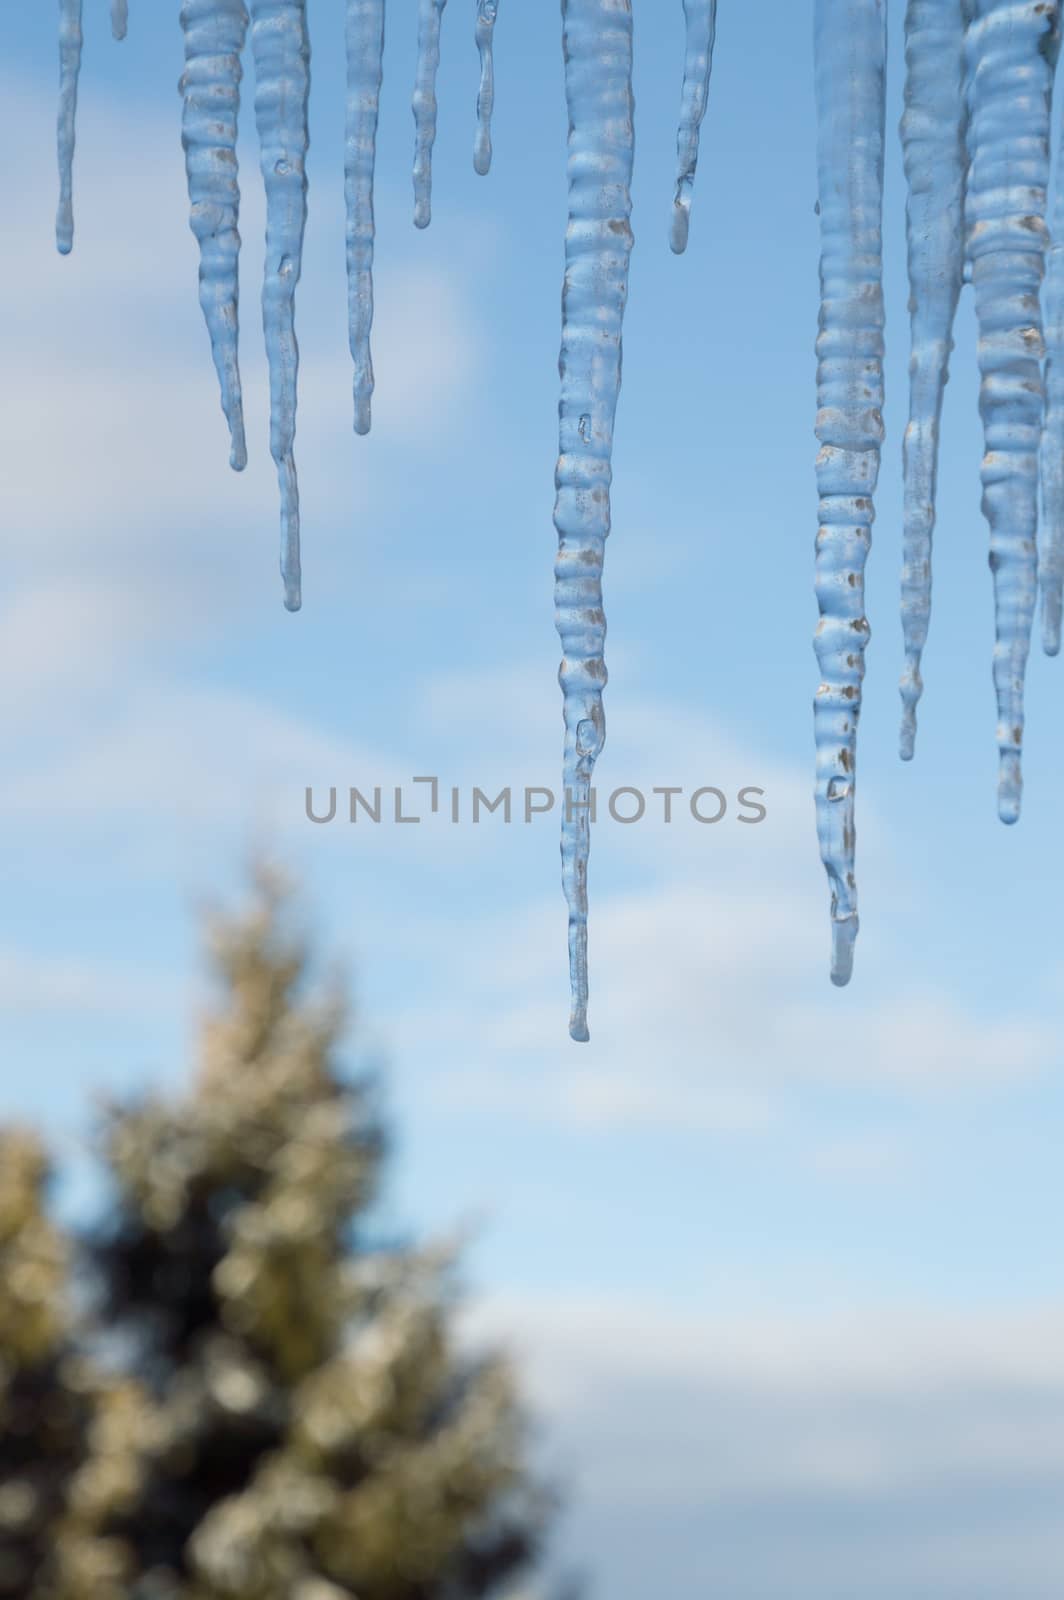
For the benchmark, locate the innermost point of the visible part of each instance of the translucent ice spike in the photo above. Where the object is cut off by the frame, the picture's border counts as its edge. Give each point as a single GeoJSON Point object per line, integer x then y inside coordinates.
{"type": "Point", "coordinates": [597, 41]}
{"type": "Point", "coordinates": [119, 18]}
{"type": "Point", "coordinates": [430, 15]}
{"type": "Point", "coordinates": [1051, 550]}
{"type": "Point", "coordinates": [69, 68]}
{"type": "Point", "coordinates": [487, 10]}
{"type": "Point", "coordinates": [1011, 50]}
{"type": "Point", "coordinates": [214, 32]}
{"type": "Point", "coordinates": [365, 50]}
{"type": "Point", "coordinates": [936, 162]}
{"type": "Point", "coordinates": [281, 50]}
{"type": "Point", "coordinates": [701, 20]}
{"type": "Point", "coordinates": [851, 40]}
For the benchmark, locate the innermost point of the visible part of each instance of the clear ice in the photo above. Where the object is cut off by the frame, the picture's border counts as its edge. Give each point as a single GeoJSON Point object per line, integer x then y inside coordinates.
{"type": "Point", "coordinates": [69, 69]}
{"type": "Point", "coordinates": [597, 43]}
{"type": "Point", "coordinates": [281, 50]}
{"type": "Point", "coordinates": [365, 53]}
{"type": "Point", "coordinates": [214, 33]}
{"type": "Point", "coordinates": [1051, 549]}
{"type": "Point", "coordinates": [936, 164]}
{"type": "Point", "coordinates": [701, 22]}
{"type": "Point", "coordinates": [487, 10]}
{"type": "Point", "coordinates": [851, 43]}
{"type": "Point", "coordinates": [430, 16]}
{"type": "Point", "coordinates": [119, 18]}
{"type": "Point", "coordinates": [1011, 48]}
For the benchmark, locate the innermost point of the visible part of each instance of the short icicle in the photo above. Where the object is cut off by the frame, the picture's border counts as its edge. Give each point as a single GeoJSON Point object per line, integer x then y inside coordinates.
{"type": "Point", "coordinates": [70, 39]}
{"type": "Point", "coordinates": [1011, 48]}
{"type": "Point", "coordinates": [430, 17]}
{"type": "Point", "coordinates": [281, 51]}
{"type": "Point", "coordinates": [214, 32]}
{"type": "Point", "coordinates": [936, 163]}
{"type": "Point", "coordinates": [1051, 550]}
{"type": "Point", "coordinates": [851, 42]}
{"type": "Point", "coordinates": [119, 18]}
{"type": "Point", "coordinates": [487, 11]}
{"type": "Point", "coordinates": [365, 53]}
{"type": "Point", "coordinates": [701, 22]}
{"type": "Point", "coordinates": [597, 41]}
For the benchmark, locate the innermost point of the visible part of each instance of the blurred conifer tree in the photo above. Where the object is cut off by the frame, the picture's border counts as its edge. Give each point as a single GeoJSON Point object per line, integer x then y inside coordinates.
{"type": "Point", "coordinates": [52, 1403]}
{"type": "Point", "coordinates": [294, 1419]}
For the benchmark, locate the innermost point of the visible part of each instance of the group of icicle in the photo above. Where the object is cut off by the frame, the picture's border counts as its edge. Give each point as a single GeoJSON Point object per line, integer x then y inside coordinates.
{"type": "Point", "coordinates": [976, 144]}
{"type": "Point", "coordinates": [598, 76]}
{"type": "Point", "coordinates": [976, 135]}
{"type": "Point", "coordinates": [214, 33]}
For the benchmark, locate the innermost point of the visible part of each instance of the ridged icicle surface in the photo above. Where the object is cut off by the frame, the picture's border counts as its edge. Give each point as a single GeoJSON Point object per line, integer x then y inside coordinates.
{"type": "Point", "coordinates": [1051, 549]}
{"type": "Point", "coordinates": [936, 163]}
{"type": "Point", "coordinates": [365, 54]}
{"type": "Point", "coordinates": [281, 50]}
{"type": "Point", "coordinates": [214, 32]}
{"type": "Point", "coordinates": [598, 242]}
{"type": "Point", "coordinates": [70, 40]}
{"type": "Point", "coordinates": [1011, 52]}
{"type": "Point", "coordinates": [430, 17]}
{"type": "Point", "coordinates": [700, 17]}
{"type": "Point", "coordinates": [487, 11]}
{"type": "Point", "coordinates": [851, 42]}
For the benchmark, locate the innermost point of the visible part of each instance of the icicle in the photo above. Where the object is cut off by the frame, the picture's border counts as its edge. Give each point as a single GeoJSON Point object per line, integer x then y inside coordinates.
{"type": "Point", "coordinates": [487, 10]}
{"type": "Point", "coordinates": [1051, 553]}
{"type": "Point", "coordinates": [430, 15]}
{"type": "Point", "coordinates": [281, 50]}
{"type": "Point", "coordinates": [119, 18]}
{"type": "Point", "coordinates": [851, 39]}
{"type": "Point", "coordinates": [365, 51]}
{"type": "Point", "coordinates": [933, 145]}
{"type": "Point", "coordinates": [701, 19]}
{"type": "Point", "coordinates": [214, 32]}
{"type": "Point", "coordinates": [597, 41]}
{"type": "Point", "coordinates": [1011, 48]}
{"type": "Point", "coordinates": [69, 68]}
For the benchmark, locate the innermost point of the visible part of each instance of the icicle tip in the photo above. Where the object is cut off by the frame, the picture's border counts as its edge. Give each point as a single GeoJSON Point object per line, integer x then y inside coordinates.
{"type": "Point", "coordinates": [1051, 620]}
{"type": "Point", "coordinates": [681, 227]}
{"type": "Point", "coordinates": [578, 1029]}
{"type": "Point", "coordinates": [1010, 787]}
{"type": "Point", "coordinates": [238, 448]}
{"type": "Point", "coordinates": [843, 940]}
{"type": "Point", "coordinates": [911, 690]}
{"type": "Point", "coordinates": [482, 154]}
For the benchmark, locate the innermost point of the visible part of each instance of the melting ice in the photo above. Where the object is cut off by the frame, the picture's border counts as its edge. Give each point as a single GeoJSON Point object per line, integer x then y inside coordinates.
{"type": "Point", "coordinates": [597, 46]}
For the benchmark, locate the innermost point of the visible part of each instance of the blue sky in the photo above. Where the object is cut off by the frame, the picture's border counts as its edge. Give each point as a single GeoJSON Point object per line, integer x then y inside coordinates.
{"type": "Point", "coordinates": [776, 1257]}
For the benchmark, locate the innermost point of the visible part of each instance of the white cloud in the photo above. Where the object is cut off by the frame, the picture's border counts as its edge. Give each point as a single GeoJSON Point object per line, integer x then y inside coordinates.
{"type": "Point", "coordinates": [48, 984]}
{"type": "Point", "coordinates": [879, 1450]}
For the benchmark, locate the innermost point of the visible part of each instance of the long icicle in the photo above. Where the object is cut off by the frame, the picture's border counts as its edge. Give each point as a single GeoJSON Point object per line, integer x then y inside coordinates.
{"type": "Point", "coordinates": [851, 43]}
{"type": "Point", "coordinates": [1011, 50]}
{"type": "Point", "coordinates": [365, 54]}
{"type": "Point", "coordinates": [701, 21]}
{"type": "Point", "coordinates": [281, 49]}
{"type": "Point", "coordinates": [936, 163]}
{"type": "Point", "coordinates": [70, 39]}
{"type": "Point", "coordinates": [597, 43]}
{"type": "Point", "coordinates": [119, 18]}
{"type": "Point", "coordinates": [487, 11]}
{"type": "Point", "coordinates": [430, 17]}
{"type": "Point", "coordinates": [214, 33]}
{"type": "Point", "coordinates": [1051, 549]}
